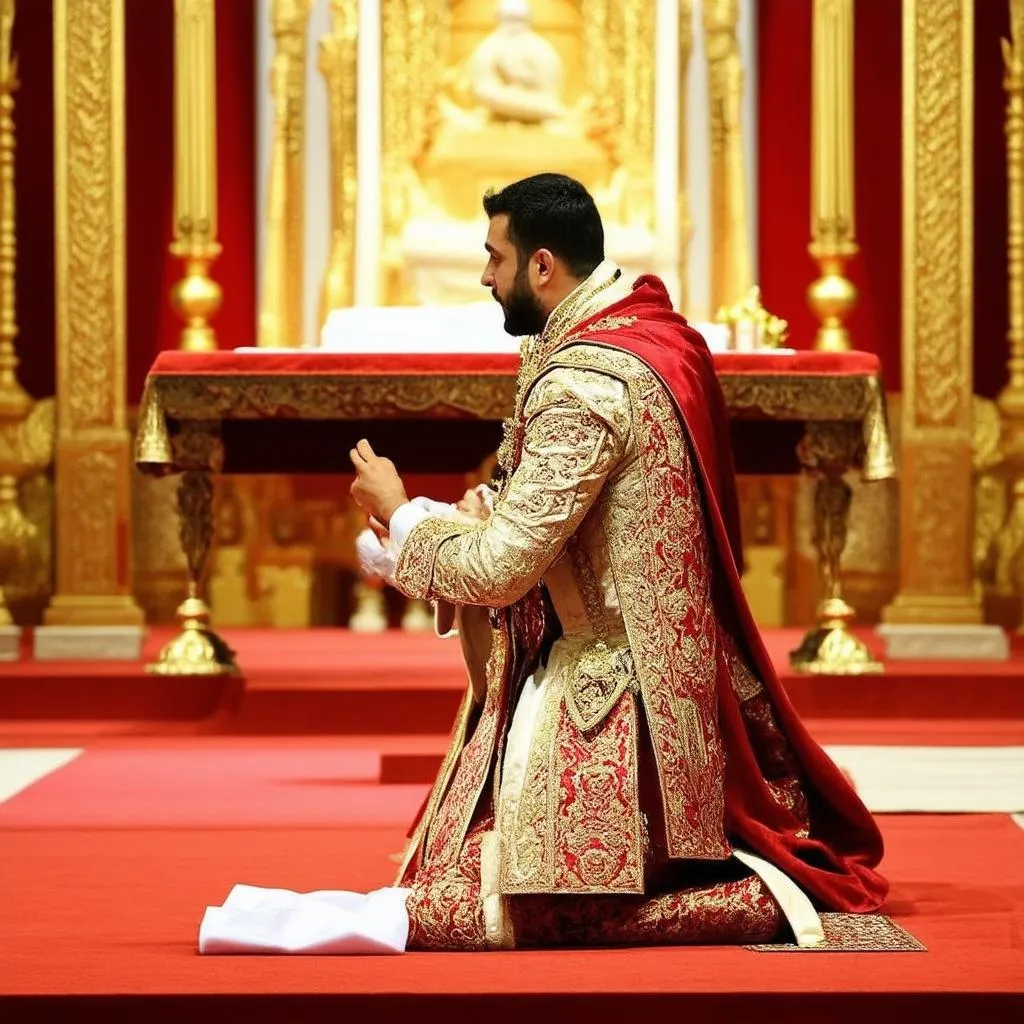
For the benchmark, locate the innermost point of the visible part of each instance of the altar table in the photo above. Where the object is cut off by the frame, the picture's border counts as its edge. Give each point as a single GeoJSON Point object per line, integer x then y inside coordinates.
{"type": "Point", "coordinates": [301, 411]}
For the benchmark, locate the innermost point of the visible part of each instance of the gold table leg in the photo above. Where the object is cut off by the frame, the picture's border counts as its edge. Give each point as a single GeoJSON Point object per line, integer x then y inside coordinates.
{"type": "Point", "coordinates": [826, 452]}
{"type": "Point", "coordinates": [197, 650]}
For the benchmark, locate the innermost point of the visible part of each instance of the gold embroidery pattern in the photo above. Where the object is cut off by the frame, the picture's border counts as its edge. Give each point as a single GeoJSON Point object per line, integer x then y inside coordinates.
{"type": "Point", "coordinates": [567, 453]}
{"type": "Point", "coordinates": [446, 833]}
{"type": "Point", "coordinates": [455, 746]}
{"type": "Point", "coordinates": [599, 840]}
{"type": "Point", "coordinates": [723, 913]}
{"type": "Point", "coordinates": [415, 567]}
{"type": "Point", "coordinates": [603, 288]}
{"type": "Point", "coordinates": [661, 560]}
{"type": "Point", "coordinates": [610, 323]}
{"type": "Point", "coordinates": [445, 907]}
{"type": "Point", "coordinates": [854, 933]}
{"type": "Point", "coordinates": [602, 673]}
{"type": "Point", "coordinates": [577, 827]}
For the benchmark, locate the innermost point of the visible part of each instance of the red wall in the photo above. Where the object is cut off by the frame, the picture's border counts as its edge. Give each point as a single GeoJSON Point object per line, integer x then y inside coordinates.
{"type": "Point", "coordinates": [149, 91]}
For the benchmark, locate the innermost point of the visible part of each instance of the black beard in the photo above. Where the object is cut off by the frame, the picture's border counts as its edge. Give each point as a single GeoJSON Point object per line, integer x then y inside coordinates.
{"type": "Point", "coordinates": [523, 313]}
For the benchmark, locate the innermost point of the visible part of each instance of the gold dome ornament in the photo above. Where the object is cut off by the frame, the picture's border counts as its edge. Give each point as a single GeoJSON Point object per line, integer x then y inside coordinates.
{"type": "Point", "coordinates": [197, 650]}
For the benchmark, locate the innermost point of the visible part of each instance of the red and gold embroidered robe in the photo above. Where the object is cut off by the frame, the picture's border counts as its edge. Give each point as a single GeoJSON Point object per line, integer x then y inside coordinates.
{"type": "Point", "coordinates": [658, 736]}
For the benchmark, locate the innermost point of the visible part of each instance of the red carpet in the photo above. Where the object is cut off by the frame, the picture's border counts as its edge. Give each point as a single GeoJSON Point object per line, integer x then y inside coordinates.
{"type": "Point", "coordinates": [106, 865]}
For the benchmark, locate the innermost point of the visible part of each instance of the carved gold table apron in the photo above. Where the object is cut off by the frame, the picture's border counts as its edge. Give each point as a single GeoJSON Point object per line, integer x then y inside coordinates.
{"type": "Point", "coordinates": [301, 411]}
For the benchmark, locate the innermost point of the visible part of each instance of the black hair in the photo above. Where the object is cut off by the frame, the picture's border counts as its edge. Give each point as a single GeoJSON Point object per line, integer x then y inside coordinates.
{"type": "Point", "coordinates": [551, 211]}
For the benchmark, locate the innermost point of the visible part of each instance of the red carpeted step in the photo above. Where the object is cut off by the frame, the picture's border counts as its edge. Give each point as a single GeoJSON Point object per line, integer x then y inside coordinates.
{"type": "Point", "coordinates": [334, 682]}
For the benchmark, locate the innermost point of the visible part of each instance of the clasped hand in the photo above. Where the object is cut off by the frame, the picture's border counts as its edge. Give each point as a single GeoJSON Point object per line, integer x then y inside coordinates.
{"type": "Point", "coordinates": [377, 489]}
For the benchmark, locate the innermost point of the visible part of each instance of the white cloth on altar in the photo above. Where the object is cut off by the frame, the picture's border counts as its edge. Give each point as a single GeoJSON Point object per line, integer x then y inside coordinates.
{"type": "Point", "coordinates": [257, 920]}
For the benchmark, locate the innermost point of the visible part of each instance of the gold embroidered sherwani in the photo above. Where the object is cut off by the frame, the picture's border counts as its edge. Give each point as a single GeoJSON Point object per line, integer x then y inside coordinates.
{"type": "Point", "coordinates": [583, 796]}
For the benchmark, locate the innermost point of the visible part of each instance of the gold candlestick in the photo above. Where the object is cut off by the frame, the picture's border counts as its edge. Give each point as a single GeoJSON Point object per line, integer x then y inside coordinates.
{"type": "Point", "coordinates": [832, 296]}
{"type": "Point", "coordinates": [197, 297]}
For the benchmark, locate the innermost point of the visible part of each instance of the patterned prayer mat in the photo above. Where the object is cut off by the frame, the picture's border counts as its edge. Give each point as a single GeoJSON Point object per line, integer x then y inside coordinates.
{"type": "Point", "coordinates": [854, 933]}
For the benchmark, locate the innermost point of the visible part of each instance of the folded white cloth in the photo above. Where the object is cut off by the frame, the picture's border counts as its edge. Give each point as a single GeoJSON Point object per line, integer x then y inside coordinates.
{"type": "Point", "coordinates": [256, 920]}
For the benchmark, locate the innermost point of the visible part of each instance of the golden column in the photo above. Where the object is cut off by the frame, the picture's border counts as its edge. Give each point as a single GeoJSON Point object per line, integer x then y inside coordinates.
{"type": "Point", "coordinates": [283, 266]}
{"type": "Point", "coordinates": [22, 448]}
{"type": "Point", "coordinates": [683, 201]}
{"type": "Point", "coordinates": [339, 64]}
{"type": "Point", "coordinates": [1010, 542]}
{"type": "Point", "coordinates": [936, 516]}
{"type": "Point", "coordinates": [731, 272]}
{"type": "Point", "coordinates": [832, 296]}
{"type": "Point", "coordinates": [93, 460]}
{"type": "Point", "coordinates": [197, 296]}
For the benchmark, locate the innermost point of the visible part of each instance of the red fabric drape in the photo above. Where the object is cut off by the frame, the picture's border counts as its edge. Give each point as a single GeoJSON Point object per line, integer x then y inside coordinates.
{"type": "Point", "coordinates": [784, 172]}
{"type": "Point", "coordinates": [835, 862]}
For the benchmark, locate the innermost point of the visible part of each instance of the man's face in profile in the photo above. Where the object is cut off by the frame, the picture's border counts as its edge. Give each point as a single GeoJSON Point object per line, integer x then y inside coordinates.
{"type": "Point", "coordinates": [507, 276]}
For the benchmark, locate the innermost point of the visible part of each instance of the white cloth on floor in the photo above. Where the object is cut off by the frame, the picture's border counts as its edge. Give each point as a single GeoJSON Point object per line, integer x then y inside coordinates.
{"type": "Point", "coordinates": [256, 920]}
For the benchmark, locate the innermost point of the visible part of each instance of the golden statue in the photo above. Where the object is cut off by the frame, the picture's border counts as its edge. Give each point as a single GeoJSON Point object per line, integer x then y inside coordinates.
{"type": "Point", "coordinates": [517, 88]}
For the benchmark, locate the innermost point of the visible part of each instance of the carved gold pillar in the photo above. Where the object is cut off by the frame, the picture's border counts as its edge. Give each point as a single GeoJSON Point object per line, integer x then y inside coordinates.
{"type": "Point", "coordinates": [683, 201]}
{"type": "Point", "coordinates": [1010, 542]}
{"type": "Point", "coordinates": [936, 577]}
{"type": "Point", "coordinates": [93, 461]}
{"type": "Point", "coordinates": [339, 64]}
{"type": "Point", "coordinates": [832, 296]}
{"type": "Point", "coordinates": [731, 274]}
{"type": "Point", "coordinates": [197, 296]}
{"type": "Point", "coordinates": [283, 266]}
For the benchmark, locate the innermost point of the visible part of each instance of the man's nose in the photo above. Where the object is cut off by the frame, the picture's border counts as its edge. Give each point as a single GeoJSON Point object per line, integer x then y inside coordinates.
{"type": "Point", "coordinates": [487, 279]}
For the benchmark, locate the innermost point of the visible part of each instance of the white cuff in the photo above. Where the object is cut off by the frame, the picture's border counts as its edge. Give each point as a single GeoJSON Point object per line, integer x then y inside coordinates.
{"type": "Point", "coordinates": [408, 516]}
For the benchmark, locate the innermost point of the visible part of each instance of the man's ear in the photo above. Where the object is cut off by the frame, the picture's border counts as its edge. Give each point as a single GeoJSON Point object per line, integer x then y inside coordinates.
{"type": "Point", "coordinates": [545, 262]}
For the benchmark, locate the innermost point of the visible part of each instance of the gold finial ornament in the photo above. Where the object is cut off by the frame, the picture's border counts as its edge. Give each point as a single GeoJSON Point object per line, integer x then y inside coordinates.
{"type": "Point", "coordinates": [832, 296]}
{"type": "Point", "coordinates": [196, 298]}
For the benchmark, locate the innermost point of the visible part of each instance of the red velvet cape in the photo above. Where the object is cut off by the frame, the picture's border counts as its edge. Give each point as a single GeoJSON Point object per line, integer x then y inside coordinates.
{"type": "Point", "coordinates": [835, 863]}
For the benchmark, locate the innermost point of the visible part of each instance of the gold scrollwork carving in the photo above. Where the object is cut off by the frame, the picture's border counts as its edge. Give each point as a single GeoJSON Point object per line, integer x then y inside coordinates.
{"type": "Point", "coordinates": [89, 141]}
{"type": "Point", "coordinates": [936, 530]}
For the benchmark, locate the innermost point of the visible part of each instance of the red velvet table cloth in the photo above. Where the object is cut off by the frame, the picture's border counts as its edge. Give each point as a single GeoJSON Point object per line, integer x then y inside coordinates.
{"type": "Point", "coordinates": [313, 361]}
{"type": "Point", "coordinates": [301, 410]}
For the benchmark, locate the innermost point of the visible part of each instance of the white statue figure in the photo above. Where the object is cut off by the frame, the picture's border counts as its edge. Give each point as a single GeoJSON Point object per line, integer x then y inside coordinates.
{"type": "Point", "coordinates": [515, 72]}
